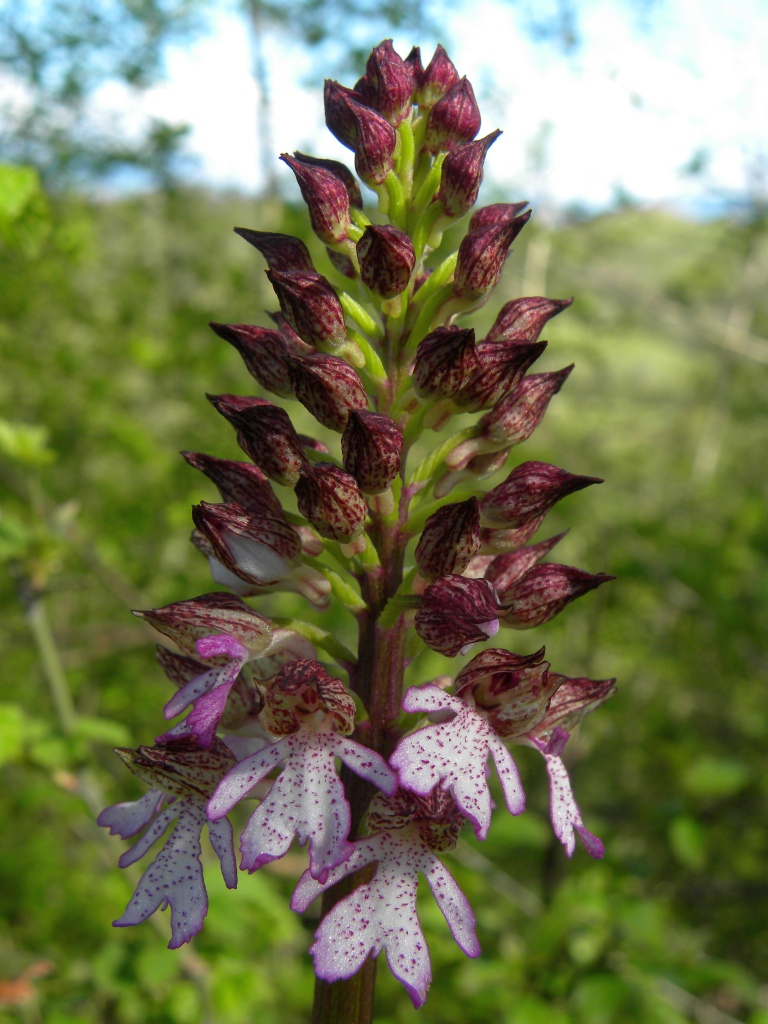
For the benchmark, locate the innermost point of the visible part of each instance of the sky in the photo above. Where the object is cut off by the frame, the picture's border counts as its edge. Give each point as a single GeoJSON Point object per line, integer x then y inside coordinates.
{"type": "Point", "coordinates": [622, 116]}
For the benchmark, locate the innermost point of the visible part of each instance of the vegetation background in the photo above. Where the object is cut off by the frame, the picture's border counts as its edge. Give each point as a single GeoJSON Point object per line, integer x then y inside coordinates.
{"type": "Point", "coordinates": [106, 357]}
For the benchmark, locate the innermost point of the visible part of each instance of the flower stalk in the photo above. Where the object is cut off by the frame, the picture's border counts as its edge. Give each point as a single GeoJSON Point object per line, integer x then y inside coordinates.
{"type": "Point", "coordinates": [271, 705]}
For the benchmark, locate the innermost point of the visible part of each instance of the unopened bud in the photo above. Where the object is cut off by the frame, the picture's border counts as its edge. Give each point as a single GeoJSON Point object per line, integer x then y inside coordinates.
{"type": "Point", "coordinates": [456, 612]}
{"type": "Point", "coordinates": [500, 368]}
{"type": "Point", "coordinates": [544, 591]}
{"type": "Point", "coordinates": [311, 306]}
{"type": "Point", "coordinates": [328, 387]}
{"type": "Point", "coordinates": [454, 119]}
{"type": "Point", "coordinates": [523, 319]}
{"type": "Point", "coordinates": [240, 483]}
{"type": "Point", "coordinates": [505, 570]}
{"type": "Point", "coordinates": [495, 214]}
{"type": "Point", "coordinates": [263, 351]}
{"type": "Point", "coordinates": [386, 260]}
{"type": "Point", "coordinates": [387, 85]}
{"type": "Point", "coordinates": [462, 175]}
{"type": "Point", "coordinates": [282, 252]}
{"type": "Point", "coordinates": [260, 549]}
{"type": "Point", "coordinates": [451, 536]}
{"type": "Point", "coordinates": [326, 196]}
{"type": "Point", "coordinates": [340, 170]}
{"type": "Point", "coordinates": [529, 492]}
{"type": "Point", "coordinates": [481, 258]}
{"type": "Point", "coordinates": [371, 446]}
{"type": "Point", "coordinates": [266, 435]}
{"type": "Point", "coordinates": [361, 129]}
{"type": "Point", "coordinates": [515, 417]}
{"type": "Point", "coordinates": [330, 499]}
{"type": "Point", "coordinates": [446, 361]}
{"type": "Point", "coordinates": [185, 622]}
{"type": "Point", "coordinates": [439, 77]}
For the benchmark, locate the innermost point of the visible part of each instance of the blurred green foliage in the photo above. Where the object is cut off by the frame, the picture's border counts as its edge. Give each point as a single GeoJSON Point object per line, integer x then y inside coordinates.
{"type": "Point", "coordinates": [106, 357]}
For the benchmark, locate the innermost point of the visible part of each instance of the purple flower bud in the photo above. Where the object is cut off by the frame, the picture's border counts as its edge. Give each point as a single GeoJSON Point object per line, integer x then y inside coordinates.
{"type": "Point", "coordinates": [500, 368]}
{"type": "Point", "coordinates": [294, 343]}
{"type": "Point", "coordinates": [330, 499]}
{"type": "Point", "coordinates": [457, 612]}
{"type": "Point", "coordinates": [240, 483]}
{"type": "Point", "coordinates": [386, 260]}
{"type": "Point", "coordinates": [326, 196]}
{"type": "Point", "coordinates": [505, 570]}
{"type": "Point", "coordinates": [266, 435]}
{"type": "Point", "coordinates": [495, 214]}
{"type": "Point", "coordinates": [451, 536]}
{"type": "Point", "coordinates": [446, 361]}
{"type": "Point", "coordinates": [342, 263]}
{"type": "Point", "coordinates": [311, 306]}
{"type": "Point", "coordinates": [454, 119]}
{"type": "Point", "coordinates": [388, 83]}
{"type": "Point", "coordinates": [260, 549]}
{"type": "Point", "coordinates": [264, 353]}
{"type": "Point", "coordinates": [340, 170]}
{"type": "Point", "coordinates": [361, 129]}
{"type": "Point", "coordinates": [510, 691]}
{"type": "Point", "coordinates": [282, 252]}
{"type": "Point", "coordinates": [575, 698]}
{"type": "Point", "coordinates": [515, 417]}
{"type": "Point", "coordinates": [185, 622]}
{"type": "Point", "coordinates": [462, 175]}
{"type": "Point", "coordinates": [481, 258]}
{"type": "Point", "coordinates": [413, 60]}
{"type": "Point", "coordinates": [371, 446]}
{"type": "Point", "coordinates": [529, 492]}
{"type": "Point", "coordinates": [328, 387]}
{"type": "Point", "coordinates": [439, 77]}
{"type": "Point", "coordinates": [523, 319]}
{"type": "Point", "coordinates": [544, 591]}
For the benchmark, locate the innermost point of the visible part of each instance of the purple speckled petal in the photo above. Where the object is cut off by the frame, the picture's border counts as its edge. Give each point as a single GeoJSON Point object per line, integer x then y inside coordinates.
{"type": "Point", "coordinates": [194, 689]}
{"type": "Point", "coordinates": [221, 644]}
{"type": "Point", "coordinates": [454, 755]}
{"type": "Point", "coordinates": [150, 837]}
{"type": "Point", "coordinates": [453, 904]}
{"type": "Point", "coordinates": [563, 809]}
{"type": "Point", "coordinates": [308, 888]}
{"type": "Point", "coordinates": [244, 776]}
{"type": "Point", "coordinates": [220, 833]}
{"type": "Point", "coordinates": [364, 762]}
{"type": "Point", "coordinates": [128, 818]}
{"type": "Point", "coordinates": [174, 878]}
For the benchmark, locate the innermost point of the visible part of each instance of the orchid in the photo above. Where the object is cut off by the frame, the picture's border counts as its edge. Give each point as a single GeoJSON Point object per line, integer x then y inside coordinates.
{"type": "Point", "coordinates": [310, 716]}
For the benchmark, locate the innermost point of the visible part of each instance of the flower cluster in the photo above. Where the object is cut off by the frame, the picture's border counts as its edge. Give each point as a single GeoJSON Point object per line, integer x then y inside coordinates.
{"type": "Point", "coordinates": [373, 351]}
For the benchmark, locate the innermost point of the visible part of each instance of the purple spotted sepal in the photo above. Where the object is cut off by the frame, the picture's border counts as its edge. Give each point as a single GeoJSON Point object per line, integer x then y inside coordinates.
{"type": "Point", "coordinates": [457, 612]}
{"type": "Point", "coordinates": [182, 776]}
{"type": "Point", "coordinates": [408, 832]}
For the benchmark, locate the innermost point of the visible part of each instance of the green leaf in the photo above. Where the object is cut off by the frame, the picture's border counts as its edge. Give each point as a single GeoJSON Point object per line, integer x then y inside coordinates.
{"type": "Point", "coordinates": [716, 777]}
{"type": "Point", "coordinates": [12, 733]}
{"type": "Point", "coordinates": [26, 443]}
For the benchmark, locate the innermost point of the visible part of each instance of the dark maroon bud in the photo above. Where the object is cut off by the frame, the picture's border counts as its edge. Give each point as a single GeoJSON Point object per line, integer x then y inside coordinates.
{"type": "Point", "coordinates": [575, 698]}
{"type": "Point", "coordinates": [505, 570]}
{"type": "Point", "coordinates": [413, 60]}
{"type": "Point", "coordinates": [511, 691]}
{"type": "Point", "coordinates": [260, 549]}
{"type": "Point", "coordinates": [266, 435]}
{"type": "Point", "coordinates": [371, 446]}
{"type": "Point", "coordinates": [326, 197]}
{"type": "Point", "coordinates": [328, 387]}
{"type": "Point", "coordinates": [341, 171]}
{"type": "Point", "coordinates": [330, 499]}
{"type": "Point", "coordinates": [456, 612]}
{"type": "Point", "coordinates": [386, 260]}
{"type": "Point", "coordinates": [462, 175]}
{"type": "Point", "coordinates": [388, 83]}
{"type": "Point", "coordinates": [454, 119]}
{"type": "Point", "coordinates": [342, 262]}
{"type": "Point", "coordinates": [187, 621]}
{"type": "Point", "coordinates": [451, 536]}
{"type": "Point", "coordinates": [529, 492]}
{"type": "Point", "coordinates": [362, 129]}
{"type": "Point", "coordinates": [514, 418]}
{"type": "Point", "coordinates": [439, 77]}
{"type": "Point", "coordinates": [523, 319]}
{"type": "Point", "coordinates": [544, 591]}
{"type": "Point", "coordinates": [500, 368]}
{"type": "Point", "coordinates": [481, 258]}
{"type": "Point", "coordinates": [238, 482]}
{"type": "Point", "coordinates": [311, 307]}
{"type": "Point", "coordinates": [282, 252]}
{"type": "Point", "coordinates": [264, 353]}
{"type": "Point", "coordinates": [497, 542]}
{"type": "Point", "coordinates": [445, 362]}
{"type": "Point", "coordinates": [495, 214]}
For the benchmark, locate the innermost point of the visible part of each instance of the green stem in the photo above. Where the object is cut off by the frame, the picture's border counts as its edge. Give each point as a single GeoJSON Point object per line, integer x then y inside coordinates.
{"type": "Point", "coordinates": [53, 670]}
